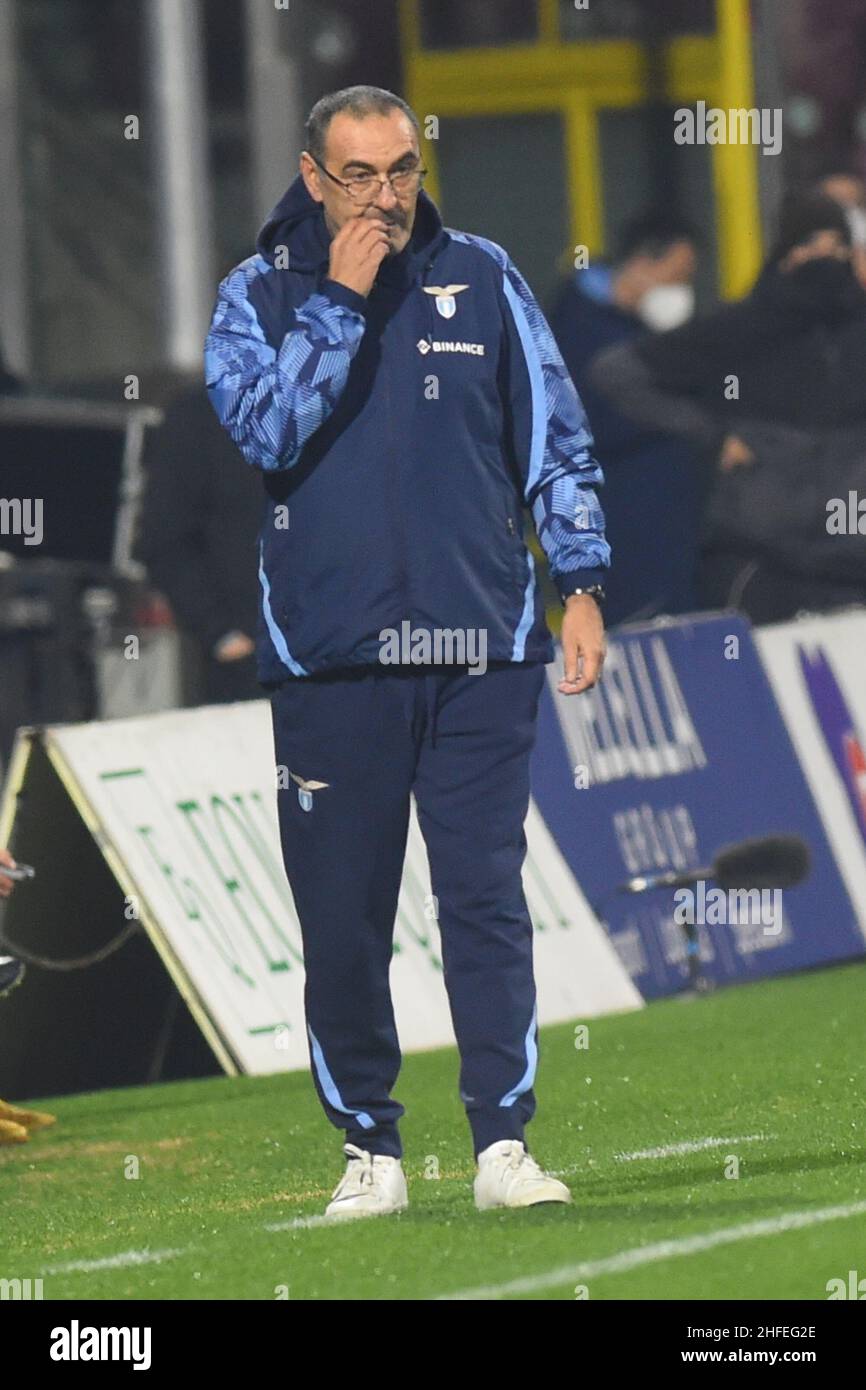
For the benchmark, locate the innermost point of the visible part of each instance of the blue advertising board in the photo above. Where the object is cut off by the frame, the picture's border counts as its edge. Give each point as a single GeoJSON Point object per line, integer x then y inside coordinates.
{"type": "Point", "coordinates": [679, 751]}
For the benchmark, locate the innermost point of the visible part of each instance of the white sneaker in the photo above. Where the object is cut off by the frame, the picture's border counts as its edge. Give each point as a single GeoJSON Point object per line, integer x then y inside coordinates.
{"type": "Point", "coordinates": [510, 1177]}
{"type": "Point", "coordinates": [372, 1185]}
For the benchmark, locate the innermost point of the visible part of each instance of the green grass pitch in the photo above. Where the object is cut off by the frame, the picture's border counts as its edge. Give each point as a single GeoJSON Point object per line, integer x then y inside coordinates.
{"type": "Point", "coordinates": [775, 1072]}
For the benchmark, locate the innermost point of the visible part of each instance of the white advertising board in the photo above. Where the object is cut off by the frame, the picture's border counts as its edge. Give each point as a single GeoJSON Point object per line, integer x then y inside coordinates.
{"type": "Point", "coordinates": [183, 806]}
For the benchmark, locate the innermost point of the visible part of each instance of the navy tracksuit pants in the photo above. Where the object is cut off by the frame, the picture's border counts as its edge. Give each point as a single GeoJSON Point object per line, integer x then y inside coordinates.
{"type": "Point", "coordinates": [461, 743]}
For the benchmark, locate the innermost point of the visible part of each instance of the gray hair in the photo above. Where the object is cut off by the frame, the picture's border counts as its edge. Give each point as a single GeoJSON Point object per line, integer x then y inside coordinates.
{"type": "Point", "coordinates": [360, 102]}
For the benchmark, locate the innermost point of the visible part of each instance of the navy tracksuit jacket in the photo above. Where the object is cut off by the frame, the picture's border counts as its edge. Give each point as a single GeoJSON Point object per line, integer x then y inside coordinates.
{"type": "Point", "coordinates": [399, 438]}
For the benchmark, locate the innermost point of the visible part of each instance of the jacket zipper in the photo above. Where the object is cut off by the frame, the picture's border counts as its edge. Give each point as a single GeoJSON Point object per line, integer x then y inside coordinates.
{"type": "Point", "coordinates": [516, 559]}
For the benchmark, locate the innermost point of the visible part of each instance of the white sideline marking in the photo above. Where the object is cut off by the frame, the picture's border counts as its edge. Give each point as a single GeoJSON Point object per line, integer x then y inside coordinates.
{"type": "Point", "coordinates": [303, 1223]}
{"type": "Point", "coordinates": [129, 1258]}
{"type": "Point", "coordinates": [121, 1261]}
{"type": "Point", "coordinates": [662, 1250]}
{"type": "Point", "coordinates": [691, 1146]}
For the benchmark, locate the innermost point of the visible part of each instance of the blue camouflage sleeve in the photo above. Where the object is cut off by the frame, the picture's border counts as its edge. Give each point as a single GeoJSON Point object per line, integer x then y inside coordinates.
{"type": "Point", "coordinates": [553, 445]}
{"type": "Point", "coordinates": [272, 400]}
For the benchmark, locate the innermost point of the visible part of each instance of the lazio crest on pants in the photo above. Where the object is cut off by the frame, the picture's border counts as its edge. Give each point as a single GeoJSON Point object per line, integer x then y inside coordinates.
{"type": "Point", "coordinates": [306, 789]}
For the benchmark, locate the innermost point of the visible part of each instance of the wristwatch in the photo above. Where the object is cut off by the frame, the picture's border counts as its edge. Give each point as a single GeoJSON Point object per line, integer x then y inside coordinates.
{"type": "Point", "coordinates": [594, 590]}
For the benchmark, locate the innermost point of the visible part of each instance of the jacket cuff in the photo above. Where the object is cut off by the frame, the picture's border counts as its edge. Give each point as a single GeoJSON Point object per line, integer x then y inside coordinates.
{"type": "Point", "coordinates": [578, 579]}
{"type": "Point", "coordinates": [341, 294]}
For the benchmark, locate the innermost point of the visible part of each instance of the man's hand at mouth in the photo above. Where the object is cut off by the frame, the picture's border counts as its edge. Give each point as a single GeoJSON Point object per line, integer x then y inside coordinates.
{"type": "Point", "coordinates": [357, 251]}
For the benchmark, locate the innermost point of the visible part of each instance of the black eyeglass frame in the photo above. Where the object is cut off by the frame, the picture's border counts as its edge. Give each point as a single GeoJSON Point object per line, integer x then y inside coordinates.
{"type": "Point", "coordinates": [420, 173]}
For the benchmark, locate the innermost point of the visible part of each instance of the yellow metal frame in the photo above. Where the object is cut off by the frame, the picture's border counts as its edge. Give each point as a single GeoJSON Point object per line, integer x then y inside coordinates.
{"type": "Point", "coordinates": [579, 81]}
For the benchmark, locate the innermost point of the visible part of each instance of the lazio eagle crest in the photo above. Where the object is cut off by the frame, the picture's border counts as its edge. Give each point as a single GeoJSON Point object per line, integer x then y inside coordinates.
{"type": "Point", "coordinates": [306, 789]}
{"type": "Point", "coordinates": [445, 300]}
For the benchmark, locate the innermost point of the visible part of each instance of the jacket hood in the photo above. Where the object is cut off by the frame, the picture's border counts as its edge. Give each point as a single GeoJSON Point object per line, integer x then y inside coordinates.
{"type": "Point", "coordinates": [298, 222]}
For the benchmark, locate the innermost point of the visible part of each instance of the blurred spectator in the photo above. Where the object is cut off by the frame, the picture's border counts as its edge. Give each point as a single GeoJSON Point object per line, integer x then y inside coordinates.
{"type": "Point", "coordinates": [773, 390]}
{"type": "Point", "coordinates": [9, 384]}
{"type": "Point", "coordinates": [11, 970]}
{"type": "Point", "coordinates": [653, 487]}
{"type": "Point", "coordinates": [197, 537]}
{"type": "Point", "coordinates": [849, 191]}
{"type": "Point", "coordinates": [15, 1124]}
{"type": "Point", "coordinates": [6, 883]}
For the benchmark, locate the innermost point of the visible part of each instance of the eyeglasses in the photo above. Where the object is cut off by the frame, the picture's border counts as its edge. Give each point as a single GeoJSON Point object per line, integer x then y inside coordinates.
{"type": "Point", "coordinates": [364, 188]}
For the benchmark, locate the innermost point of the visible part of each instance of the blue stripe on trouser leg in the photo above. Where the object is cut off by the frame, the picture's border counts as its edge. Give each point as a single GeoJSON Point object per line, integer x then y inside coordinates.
{"type": "Point", "coordinates": [531, 1046]}
{"type": "Point", "coordinates": [343, 858]}
{"type": "Point", "coordinates": [472, 791]}
{"type": "Point", "coordinates": [329, 1085]}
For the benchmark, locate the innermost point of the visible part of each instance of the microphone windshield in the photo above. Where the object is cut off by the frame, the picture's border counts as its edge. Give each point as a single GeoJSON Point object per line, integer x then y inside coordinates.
{"type": "Point", "coordinates": [774, 861]}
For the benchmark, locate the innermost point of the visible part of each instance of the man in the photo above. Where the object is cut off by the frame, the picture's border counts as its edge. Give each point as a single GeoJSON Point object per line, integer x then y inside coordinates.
{"type": "Point", "coordinates": [654, 491]}
{"type": "Point", "coordinates": [15, 1124]}
{"type": "Point", "coordinates": [398, 387]}
{"type": "Point", "coordinates": [11, 970]}
{"type": "Point", "coordinates": [785, 430]}
{"type": "Point", "coordinates": [201, 514]}
{"type": "Point", "coordinates": [849, 191]}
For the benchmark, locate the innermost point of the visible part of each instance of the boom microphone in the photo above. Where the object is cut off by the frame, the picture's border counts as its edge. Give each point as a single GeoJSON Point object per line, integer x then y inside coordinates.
{"type": "Point", "coordinates": [773, 861]}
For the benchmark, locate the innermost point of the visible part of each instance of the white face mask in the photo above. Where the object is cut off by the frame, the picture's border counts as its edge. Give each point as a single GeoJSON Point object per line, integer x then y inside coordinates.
{"type": "Point", "coordinates": [666, 306]}
{"type": "Point", "coordinates": [857, 223]}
